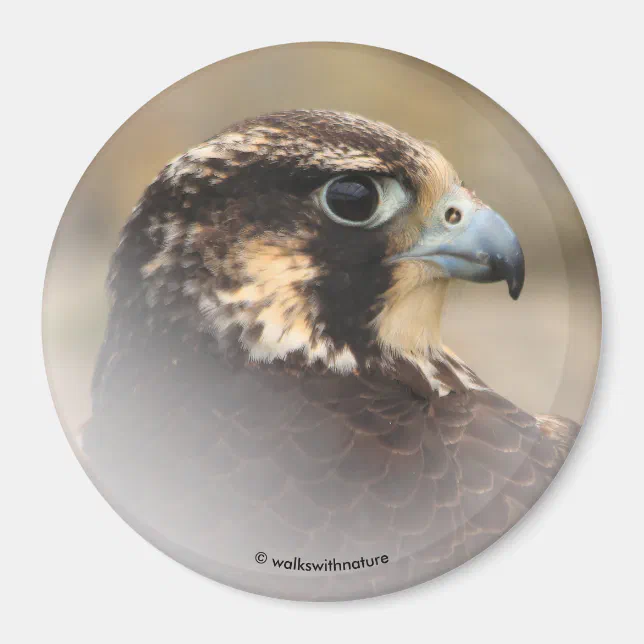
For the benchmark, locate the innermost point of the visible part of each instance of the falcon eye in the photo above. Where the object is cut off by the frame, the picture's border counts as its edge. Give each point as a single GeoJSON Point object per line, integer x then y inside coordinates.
{"type": "Point", "coordinates": [453, 216]}
{"type": "Point", "coordinates": [361, 200]}
{"type": "Point", "coordinates": [352, 199]}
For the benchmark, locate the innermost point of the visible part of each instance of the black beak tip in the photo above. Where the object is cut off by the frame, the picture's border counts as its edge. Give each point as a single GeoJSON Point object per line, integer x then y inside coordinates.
{"type": "Point", "coordinates": [515, 287]}
{"type": "Point", "coordinates": [511, 268]}
{"type": "Point", "coordinates": [516, 277]}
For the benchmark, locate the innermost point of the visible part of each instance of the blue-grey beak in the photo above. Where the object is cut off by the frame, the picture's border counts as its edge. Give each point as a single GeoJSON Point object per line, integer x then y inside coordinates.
{"type": "Point", "coordinates": [486, 251]}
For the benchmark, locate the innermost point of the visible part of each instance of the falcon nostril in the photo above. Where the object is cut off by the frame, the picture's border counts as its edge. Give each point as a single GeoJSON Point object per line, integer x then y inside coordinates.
{"type": "Point", "coordinates": [453, 216]}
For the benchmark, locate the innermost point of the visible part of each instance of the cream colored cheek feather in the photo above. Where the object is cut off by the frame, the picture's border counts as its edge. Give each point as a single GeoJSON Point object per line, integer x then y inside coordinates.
{"type": "Point", "coordinates": [409, 326]}
{"type": "Point", "coordinates": [410, 321]}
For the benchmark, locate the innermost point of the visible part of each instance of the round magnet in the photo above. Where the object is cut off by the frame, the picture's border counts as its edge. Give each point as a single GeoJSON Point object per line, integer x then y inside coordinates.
{"type": "Point", "coordinates": [321, 321]}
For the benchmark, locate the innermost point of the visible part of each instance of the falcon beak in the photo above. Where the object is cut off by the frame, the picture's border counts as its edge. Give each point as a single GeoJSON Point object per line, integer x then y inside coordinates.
{"type": "Point", "coordinates": [487, 250]}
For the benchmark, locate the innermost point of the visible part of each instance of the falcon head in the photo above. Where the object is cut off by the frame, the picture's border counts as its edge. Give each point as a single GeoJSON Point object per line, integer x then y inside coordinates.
{"type": "Point", "coordinates": [314, 238]}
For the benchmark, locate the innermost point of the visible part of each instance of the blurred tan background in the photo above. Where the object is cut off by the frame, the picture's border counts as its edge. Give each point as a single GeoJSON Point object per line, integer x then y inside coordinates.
{"type": "Point", "coordinates": [541, 352]}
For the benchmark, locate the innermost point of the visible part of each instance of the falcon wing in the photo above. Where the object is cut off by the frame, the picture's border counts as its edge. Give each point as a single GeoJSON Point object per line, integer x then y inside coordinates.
{"type": "Point", "coordinates": [213, 461]}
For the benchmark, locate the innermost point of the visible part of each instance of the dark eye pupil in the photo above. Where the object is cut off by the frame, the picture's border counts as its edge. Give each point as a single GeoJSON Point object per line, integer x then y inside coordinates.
{"type": "Point", "coordinates": [352, 198]}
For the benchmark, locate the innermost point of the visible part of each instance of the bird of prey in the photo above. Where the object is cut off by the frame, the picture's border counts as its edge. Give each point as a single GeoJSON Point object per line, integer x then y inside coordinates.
{"type": "Point", "coordinates": [272, 386]}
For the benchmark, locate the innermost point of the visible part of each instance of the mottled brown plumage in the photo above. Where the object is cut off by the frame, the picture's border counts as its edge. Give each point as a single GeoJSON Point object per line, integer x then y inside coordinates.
{"type": "Point", "coordinates": [272, 380]}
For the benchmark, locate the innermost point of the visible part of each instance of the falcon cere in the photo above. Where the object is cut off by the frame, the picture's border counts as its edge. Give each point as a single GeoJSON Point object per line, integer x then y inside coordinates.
{"type": "Point", "coordinates": [329, 565]}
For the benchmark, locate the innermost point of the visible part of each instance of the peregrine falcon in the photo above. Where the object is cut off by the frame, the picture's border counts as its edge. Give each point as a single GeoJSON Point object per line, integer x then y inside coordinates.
{"type": "Point", "coordinates": [273, 387]}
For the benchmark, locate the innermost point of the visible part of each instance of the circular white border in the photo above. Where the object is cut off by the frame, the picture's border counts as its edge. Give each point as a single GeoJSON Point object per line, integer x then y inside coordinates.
{"type": "Point", "coordinates": [73, 569]}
